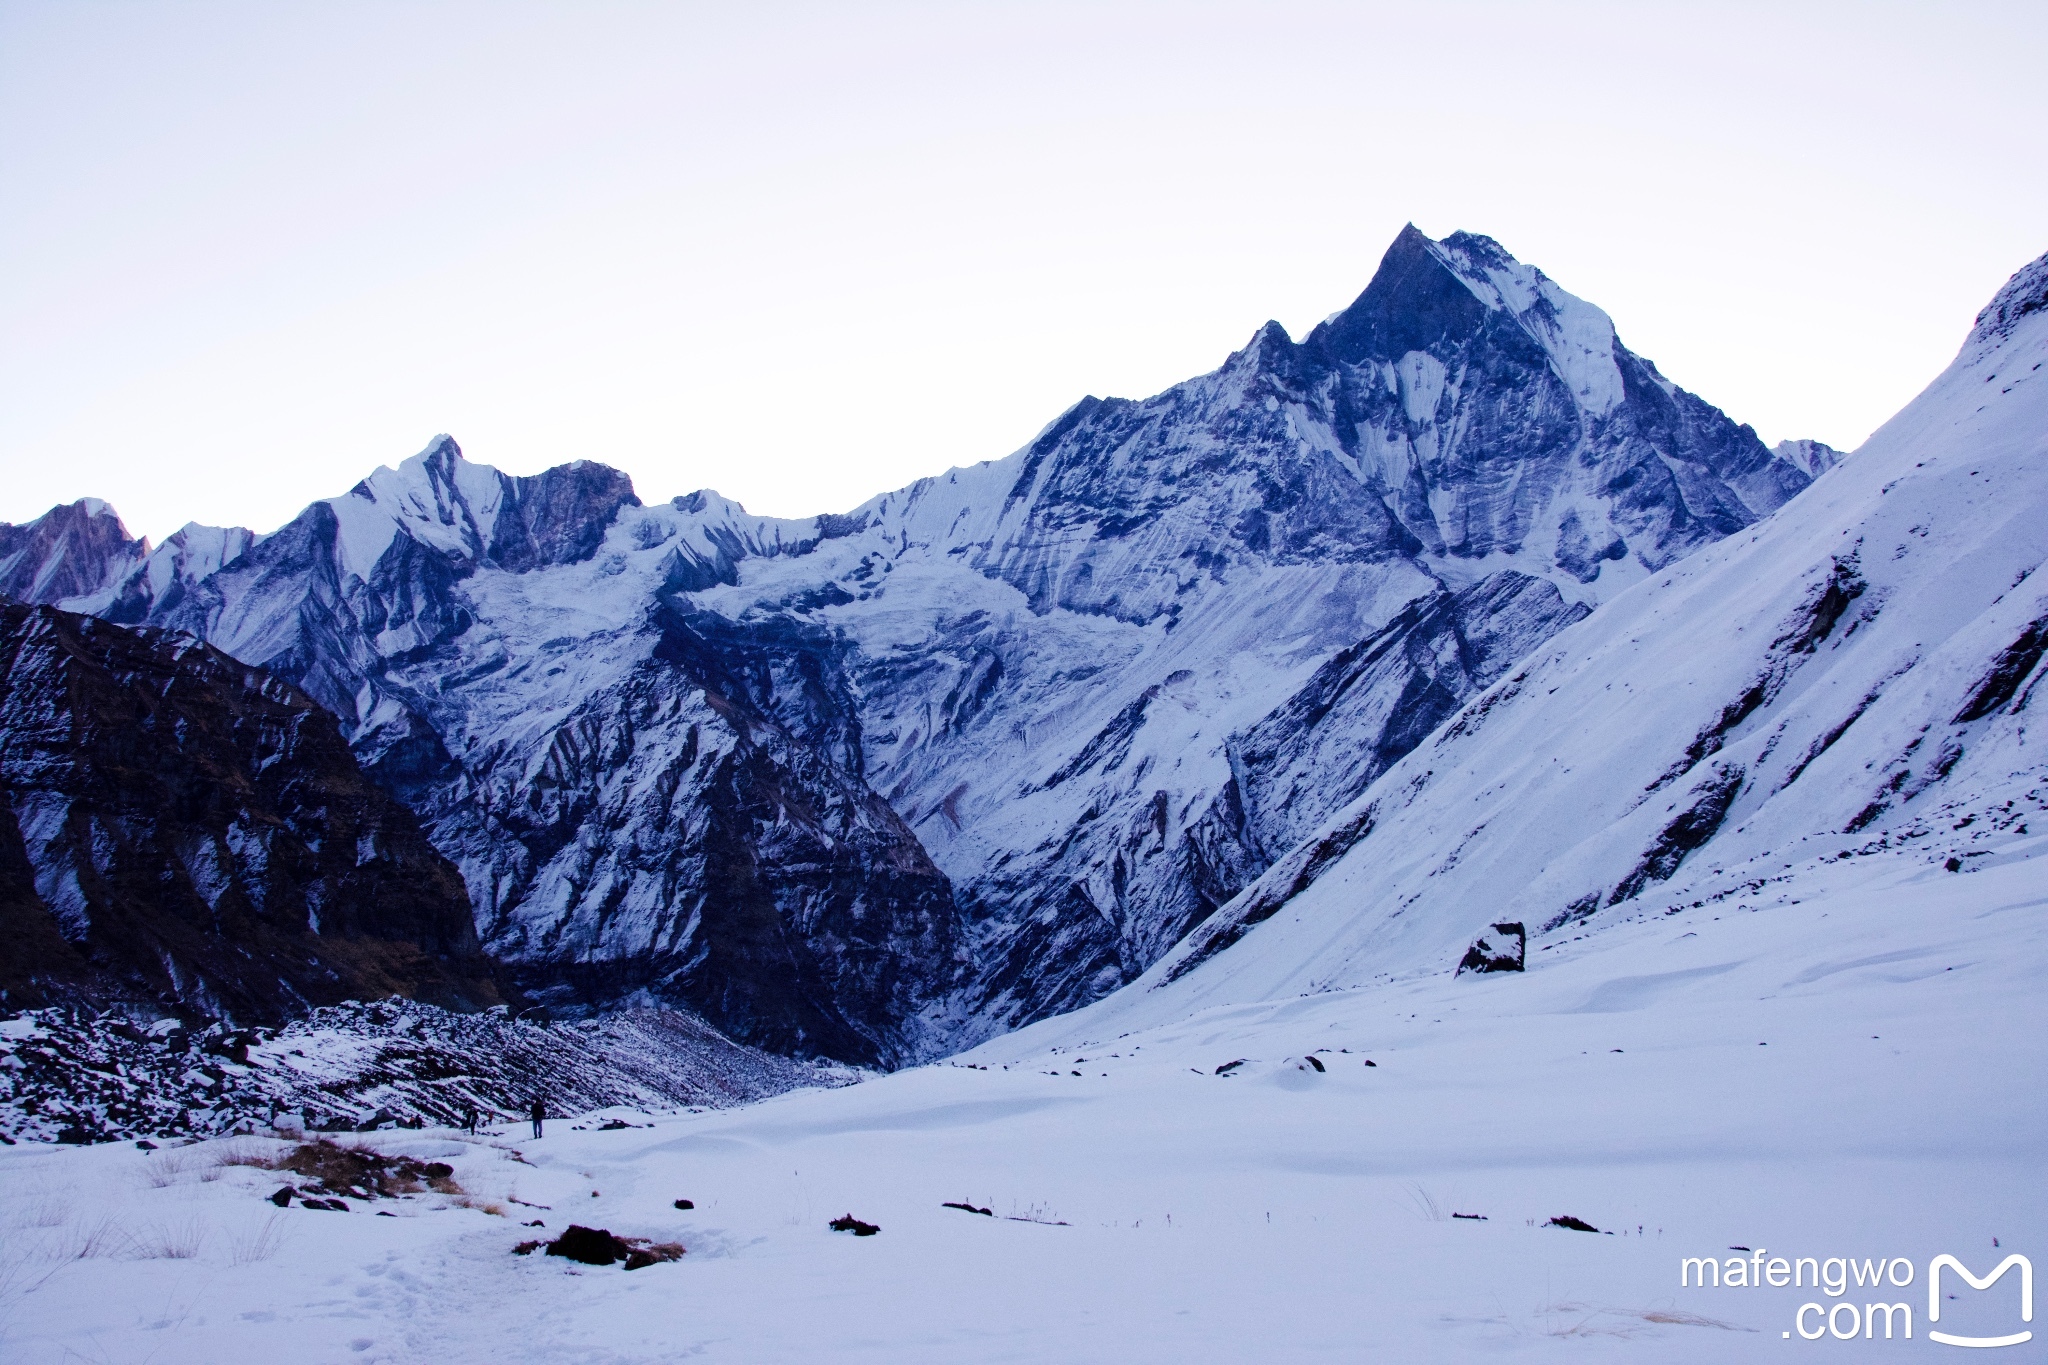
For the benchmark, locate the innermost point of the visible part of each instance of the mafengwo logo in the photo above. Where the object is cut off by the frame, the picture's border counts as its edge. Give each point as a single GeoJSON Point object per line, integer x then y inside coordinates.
{"type": "Point", "coordinates": [1866, 1316]}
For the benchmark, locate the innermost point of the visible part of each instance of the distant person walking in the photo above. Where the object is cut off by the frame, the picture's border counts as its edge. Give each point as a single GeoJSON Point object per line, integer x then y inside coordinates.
{"type": "Point", "coordinates": [540, 1112]}
{"type": "Point", "coordinates": [469, 1119]}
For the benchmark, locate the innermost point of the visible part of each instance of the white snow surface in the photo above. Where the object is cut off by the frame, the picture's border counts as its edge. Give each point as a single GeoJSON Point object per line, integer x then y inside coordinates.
{"type": "Point", "coordinates": [1843, 1065]}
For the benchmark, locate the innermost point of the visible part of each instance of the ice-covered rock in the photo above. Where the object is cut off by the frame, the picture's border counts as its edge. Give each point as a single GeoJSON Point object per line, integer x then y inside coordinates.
{"type": "Point", "coordinates": [69, 1074]}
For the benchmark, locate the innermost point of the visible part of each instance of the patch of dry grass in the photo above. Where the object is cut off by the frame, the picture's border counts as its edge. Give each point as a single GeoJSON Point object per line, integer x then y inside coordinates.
{"type": "Point", "coordinates": [360, 1171]}
{"type": "Point", "coordinates": [246, 1152]}
{"type": "Point", "coordinates": [176, 1241]}
{"type": "Point", "coordinates": [165, 1167]}
{"type": "Point", "coordinates": [47, 1210]}
{"type": "Point", "coordinates": [260, 1244]}
{"type": "Point", "coordinates": [101, 1237]}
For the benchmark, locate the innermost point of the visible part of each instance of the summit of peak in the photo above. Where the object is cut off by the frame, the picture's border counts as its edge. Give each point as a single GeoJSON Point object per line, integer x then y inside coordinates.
{"type": "Point", "coordinates": [443, 446]}
{"type": "Point", "coordinates": [73, 550]}
{"type": "Point", "coordinates": [1415, 299]}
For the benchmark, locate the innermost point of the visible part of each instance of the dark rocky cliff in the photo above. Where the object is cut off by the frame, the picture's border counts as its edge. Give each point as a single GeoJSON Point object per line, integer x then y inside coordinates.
{"type": "Point", "coordinates": [180, 829]}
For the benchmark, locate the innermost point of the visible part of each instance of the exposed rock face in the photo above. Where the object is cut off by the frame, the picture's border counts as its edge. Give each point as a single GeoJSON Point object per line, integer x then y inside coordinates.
{"type": "Point", "coordinates": [178, 827]}
{"type": "Point", "coordinates": [70, 551]}
{"type": "Point", "coordinates": [1502, 948]}
{"type": "Point", "coordinates": [1370, 704]}
{"type": "Point", "coordinates": [982, 749]}
{"type": "Point", "coordinates": [661, 806]}
{"type": "Point", "coordinates": [695, 829]}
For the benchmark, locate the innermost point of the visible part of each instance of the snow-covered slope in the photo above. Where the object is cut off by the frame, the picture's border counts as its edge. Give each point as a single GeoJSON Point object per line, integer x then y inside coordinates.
{"type": "Point", "coordinates": [1852, 676]}
{"type": "Point", "coordinates": [980, 750]}
{"type": "Point", "coordinates": [1845, 1077]}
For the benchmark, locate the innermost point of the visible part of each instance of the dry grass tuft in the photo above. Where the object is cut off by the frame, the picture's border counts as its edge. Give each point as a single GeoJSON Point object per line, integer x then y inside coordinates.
{"type": "Point", "coordinates": [247, 1248]}
{"type": "Point", "coordinates": [1426, 1205]}
{"type": "Point", "coordinates": [164, 1167]}
{"type": "Point", "coordinates": [103, 1237]}
{"type": "Point", "coordinates": [245, 1152]}
{"type": "Point", "coordinates": [47, 1211]}
{"type": "Point", "coordinates": [179, 1241]}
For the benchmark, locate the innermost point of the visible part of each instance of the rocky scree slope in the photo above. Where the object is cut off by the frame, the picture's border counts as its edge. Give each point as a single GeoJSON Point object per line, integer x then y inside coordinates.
{"type": "Point", "coordinates": [1854, 677]}
{"type": "Point", "coordinates": [75, 1075]}
{"type": "Point", "coordinates": [181, 829]}
{"type": "Point", "coordinates": [874, 785]}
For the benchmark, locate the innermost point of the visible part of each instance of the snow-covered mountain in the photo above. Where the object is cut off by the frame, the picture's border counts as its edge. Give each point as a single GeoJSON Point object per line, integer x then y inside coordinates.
{"type": "Point", "coordinates": [871, 785]}
{"type": "Point", "coordinates": [1852, 677]}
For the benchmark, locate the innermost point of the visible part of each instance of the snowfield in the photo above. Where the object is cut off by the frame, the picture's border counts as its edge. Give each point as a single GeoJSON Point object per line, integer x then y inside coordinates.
{"type": "Point", "coordinates": [1846, 1063]}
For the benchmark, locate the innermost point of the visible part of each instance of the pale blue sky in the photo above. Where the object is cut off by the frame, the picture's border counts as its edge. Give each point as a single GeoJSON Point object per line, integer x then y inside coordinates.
{"type": "Point", "coordinates": [804, 253]}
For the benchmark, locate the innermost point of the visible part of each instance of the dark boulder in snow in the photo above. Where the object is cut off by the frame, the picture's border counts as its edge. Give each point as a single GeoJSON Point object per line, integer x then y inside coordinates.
{"type": "Point", "coordinates": [597, 1246]}
{"type": "Point", "coordinates": [1503, 948]}
{"type": "Point", "coordinates": [591, 1246]}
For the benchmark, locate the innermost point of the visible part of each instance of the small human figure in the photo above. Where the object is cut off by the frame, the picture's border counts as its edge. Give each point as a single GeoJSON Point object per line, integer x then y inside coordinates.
{"type": "Point", "coordinates": [469, 1119]}
{"type": "Point", "coordinates": [540, 1111]}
